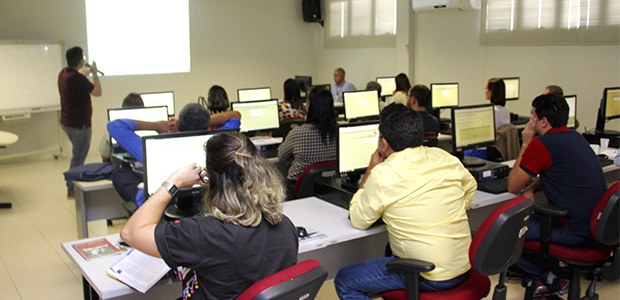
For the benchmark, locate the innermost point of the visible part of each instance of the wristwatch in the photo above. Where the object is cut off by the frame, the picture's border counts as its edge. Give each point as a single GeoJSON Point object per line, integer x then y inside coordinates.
{"type": "Point", "coordinates": [171, 188]}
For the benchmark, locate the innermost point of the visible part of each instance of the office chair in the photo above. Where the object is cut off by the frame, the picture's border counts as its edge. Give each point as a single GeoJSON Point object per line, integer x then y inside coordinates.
{"type": "Point", "coordinates": [496, 245]}
{"type": "Point", "coordinates": [567, 262]}
{"type": "Point", "coordinates": [507, 144]}
{"type": "Point", "coordinates": [304, 186]}
{"type": "Point", "coordinates": [300, 281]}
{"type": "Point", "coordinates": [287, 125]}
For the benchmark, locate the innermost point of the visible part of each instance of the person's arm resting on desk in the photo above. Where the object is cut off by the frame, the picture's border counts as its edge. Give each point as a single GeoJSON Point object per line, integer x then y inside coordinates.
{"type": "Point", "coordinates": [366, 206]}
{"type": "Point", "coordinates": [139, 231]}
{"type": "Point", "coordinates": [226, 120]}
{"type": "Point", "coordinates": [520, 174]}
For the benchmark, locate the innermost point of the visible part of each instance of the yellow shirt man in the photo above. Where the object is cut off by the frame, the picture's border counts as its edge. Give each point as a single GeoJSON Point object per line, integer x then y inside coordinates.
{"type": "Point", "coordinates": [422, 195]}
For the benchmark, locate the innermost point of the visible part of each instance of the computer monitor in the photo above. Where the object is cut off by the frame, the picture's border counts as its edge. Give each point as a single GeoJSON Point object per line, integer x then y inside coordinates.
{"type": "Point", "coordinates": [473, 127]}
{"type": "Point", "coordinates": [360, 104]}
{"type": "Point", "coordinates": [609, 109]}
{"type": "Point", "coordinates": [149, 114]}
{"type": "Point", "coordinates": [254, 94]}
{"type": "Point", "coordinates": [388, 85]}
{"type": "Point", "coordinates": [571, 100]}
{"type": "Point", "coordinates": [304, 82]}
{"type": "Point", "coordinates": [444, 95]}
{"type": "Point", "coordinates": [158, 99]}
{"type": "Point", "coordinates": [165, 153]}
{"type": "Point", "coordinates": [356, 143]}
{"type": "Point", "coordinates": [512, 87]}
{"type": "Point", "coordinates": [258, 115]}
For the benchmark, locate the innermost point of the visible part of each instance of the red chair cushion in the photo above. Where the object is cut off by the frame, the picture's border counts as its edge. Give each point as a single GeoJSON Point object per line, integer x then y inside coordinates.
{"type": "Point", "coordinates": [580, 255]}
{"type": "Point", "coordinates": [279, 277]}
{"type": "Point", "coordinates": [475, 286]}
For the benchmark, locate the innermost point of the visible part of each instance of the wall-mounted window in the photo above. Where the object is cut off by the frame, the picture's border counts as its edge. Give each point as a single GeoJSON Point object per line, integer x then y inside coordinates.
{"type": "Point", "coordinates": [360, 23]}
{"type": "Point", "coordinates": [551, 21]}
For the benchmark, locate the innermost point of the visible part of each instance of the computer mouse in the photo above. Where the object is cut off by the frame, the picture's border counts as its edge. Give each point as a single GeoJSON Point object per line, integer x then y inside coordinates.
{"type": "Point", "coordinates": [602, 156]}
{"type": "Point", "coordinates": [301, 232]}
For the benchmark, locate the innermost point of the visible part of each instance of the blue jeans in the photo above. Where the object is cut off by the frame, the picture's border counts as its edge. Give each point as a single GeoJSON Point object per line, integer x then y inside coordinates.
{"type": "Point", "coordinates": [80, 141]}
{"type": "Point", "coordinates": [558, 236]}
{"type": "Point", "coordinates": [372, 277]}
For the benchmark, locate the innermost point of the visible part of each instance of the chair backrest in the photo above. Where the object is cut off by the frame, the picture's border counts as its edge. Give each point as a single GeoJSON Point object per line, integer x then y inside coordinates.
{"type": "Point", "coordinates": [304, 186]}
{"type": "Point", "coordinates": [300, 281]}
{"type": "Point", "coordinates": [430, 139]}
{"type": "Point", "coordinates": [499, 240]}
{"type": "Point", "coordinates": [605, 218]}
{"type": "Point", "coordinates": [506, 143]}
{"type": "Point", "coordinates": [287, 125]}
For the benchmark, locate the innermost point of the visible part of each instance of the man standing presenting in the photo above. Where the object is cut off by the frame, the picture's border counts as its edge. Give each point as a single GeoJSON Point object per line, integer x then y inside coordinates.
{"type": "Point", "coordinates": [422, 195]}
{"type": "Point", "coordinates": [340, 85]}
{"type": "Point", "coordinates": [75, 106]}
{"type": "Point", "coordinates": [571, 177]}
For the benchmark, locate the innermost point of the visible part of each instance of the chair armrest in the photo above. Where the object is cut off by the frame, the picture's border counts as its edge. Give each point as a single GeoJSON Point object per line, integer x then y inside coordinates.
{"type": "Point", "coordinates": [411, 265]}
{"type": "Point", "coordinates": [549, 210]}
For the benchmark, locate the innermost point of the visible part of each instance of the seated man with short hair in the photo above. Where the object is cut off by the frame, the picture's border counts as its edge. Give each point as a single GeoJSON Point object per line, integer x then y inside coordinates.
{"type": "Point", "coordinates": [422, 195]}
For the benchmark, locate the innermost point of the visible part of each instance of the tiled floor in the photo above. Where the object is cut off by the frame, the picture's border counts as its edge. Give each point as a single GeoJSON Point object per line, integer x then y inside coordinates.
{"type": "Point", "coordinates": [32, 264]}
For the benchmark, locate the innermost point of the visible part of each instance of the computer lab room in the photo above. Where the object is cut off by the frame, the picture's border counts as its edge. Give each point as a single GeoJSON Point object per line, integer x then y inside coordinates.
{"type": "Point", "coordinates": [60, 245]}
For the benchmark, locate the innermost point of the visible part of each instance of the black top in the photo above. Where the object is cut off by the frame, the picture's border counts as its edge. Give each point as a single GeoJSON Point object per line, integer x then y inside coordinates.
{"type": "Point", "coordinates": [429, 122]}
{"type": "Point", "coordinates": [227, 258]}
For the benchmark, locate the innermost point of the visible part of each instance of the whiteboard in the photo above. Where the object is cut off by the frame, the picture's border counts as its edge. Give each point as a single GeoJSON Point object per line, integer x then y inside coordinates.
{"type": "Point", "coordinates": [29, 76]}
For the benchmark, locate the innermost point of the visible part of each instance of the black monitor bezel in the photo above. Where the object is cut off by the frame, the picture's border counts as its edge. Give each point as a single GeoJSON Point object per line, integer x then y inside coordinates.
{"type": "Point", "coordinates": [306, 80]}
{"type": "Point", "coordinates": [455, 148]}
{"type": "Point", "coordinates": [344, 106]}
{"type": "Point", "coordinates": [383, 94]}
{"type": "Point", "coordinates": [518, 88]}
{"type": "Point", "coordinates": [458, 96]}
{"type": "Point", "coordinates": [254, 88]}
{"type": "Point", "coordinates": [338, 147]}
{"type": "Point", "coordinates": [170, 114]}
{"type": "Point", "coordinates": [325, 86]}
{"type": "Point", "coordinates": [257, 101]}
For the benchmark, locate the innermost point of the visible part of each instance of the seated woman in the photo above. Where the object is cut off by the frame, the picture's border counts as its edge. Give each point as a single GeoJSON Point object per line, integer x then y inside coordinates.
{"type": "Point", "coordinates": [495, 92]}
{"type": "Point", "coordinates": [242, 236]}
{"type": "Point", "coordinates": [219, 106]}
{"type": "Point", "coordinates": [293, 105]}
{"type": "Point", "coordinates": [403, 86]}
{"type": "Point", "coordinates": [314, 141]}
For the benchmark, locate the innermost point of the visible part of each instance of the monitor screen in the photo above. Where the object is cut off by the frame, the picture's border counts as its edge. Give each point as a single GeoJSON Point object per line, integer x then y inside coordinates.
{"type": "Point", "coordinates": [360, 104]}
{"type": "Point", "coordinates": [473, 126]}
{"type": "Point", "coordinates": [612, 103]}
{"type": "Point", "coordinates": [388, 85]}
{"type": "Point", "coordinates": [512, 87]}
{"type": "Point", "coordinates": [158, 99]}
{"type": "Point", "coordinates": [304, 82]}
{"type": "Point", "coordinates": [356, 143]}
{"type": "Point", "coordinates": [165, 153]}
{"type": "Point", "coordinates": [258, 115]}
{"type": "Point", "coordinates": [444, 95]}
{"type": "Point", "coordinates": [149, 114]}
{"type": "Point", "coordinates": [253, 94]}
{"type": "Point", "coordinates": [571, 100]}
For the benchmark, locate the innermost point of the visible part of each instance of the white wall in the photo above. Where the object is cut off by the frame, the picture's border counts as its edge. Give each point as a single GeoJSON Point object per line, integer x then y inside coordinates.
{"type": "Point", "coordinates": [234, 43]}
{"type": "Point", "coordinates": [448, 49]}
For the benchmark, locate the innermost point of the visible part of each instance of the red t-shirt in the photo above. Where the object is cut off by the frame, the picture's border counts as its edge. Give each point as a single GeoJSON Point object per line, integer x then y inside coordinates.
{"type": "Point", "coordinates": [75, 105]}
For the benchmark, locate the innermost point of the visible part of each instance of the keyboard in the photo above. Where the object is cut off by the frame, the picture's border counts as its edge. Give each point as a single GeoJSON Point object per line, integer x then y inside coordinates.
{"type": "Point", "coordinates": [494, 186]}
{"type": "Point", "coordinates": [604, 161]}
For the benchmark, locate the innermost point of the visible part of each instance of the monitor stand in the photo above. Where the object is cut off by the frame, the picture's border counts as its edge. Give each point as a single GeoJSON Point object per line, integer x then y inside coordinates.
{"type": "Point", "coordinates": [472, 162]}
{"type": "Point", "coordinates": [350, 182]}
{"type": "Point", "coordinates": [187, 203]}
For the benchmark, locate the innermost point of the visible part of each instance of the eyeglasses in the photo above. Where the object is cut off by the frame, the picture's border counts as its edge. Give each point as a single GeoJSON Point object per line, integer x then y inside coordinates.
{"type": "Point", "coordinates": [203, 176]}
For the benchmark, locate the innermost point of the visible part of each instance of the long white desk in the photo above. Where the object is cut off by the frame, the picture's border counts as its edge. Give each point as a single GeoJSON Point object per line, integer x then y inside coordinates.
{"type": "Point", "coordinates": [6, 139]}
{"type": "Point", "coordinates": [340, 245]}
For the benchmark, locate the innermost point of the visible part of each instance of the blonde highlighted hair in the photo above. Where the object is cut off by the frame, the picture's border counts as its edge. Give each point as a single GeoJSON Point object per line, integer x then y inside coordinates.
{"type": "Point", "coordinates": [244, 187]}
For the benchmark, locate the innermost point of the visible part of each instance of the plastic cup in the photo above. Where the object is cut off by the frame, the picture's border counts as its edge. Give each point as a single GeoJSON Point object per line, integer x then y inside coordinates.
{"type": "Point", "coordinates": [604, 145]}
